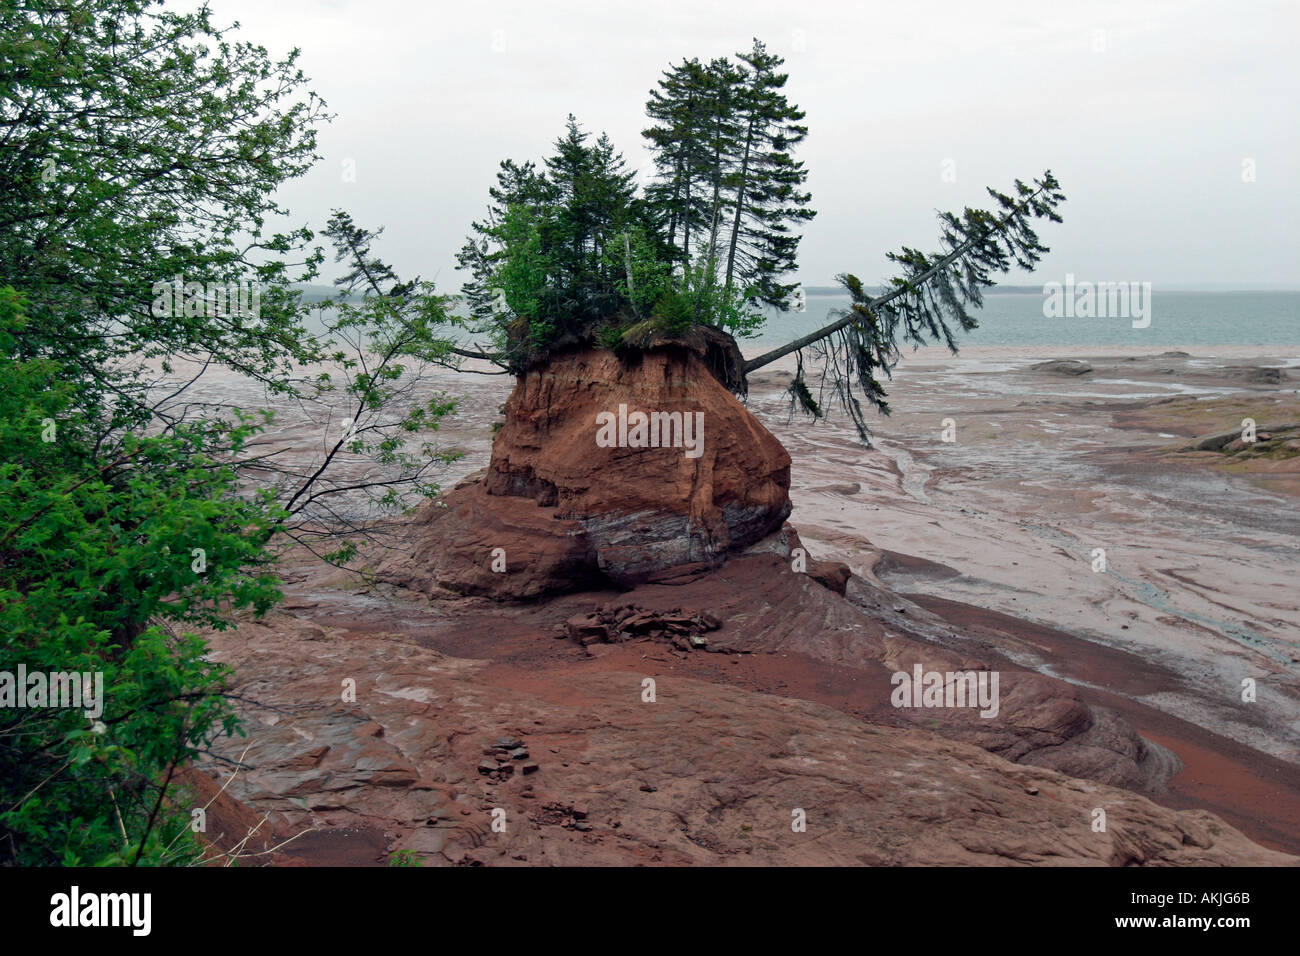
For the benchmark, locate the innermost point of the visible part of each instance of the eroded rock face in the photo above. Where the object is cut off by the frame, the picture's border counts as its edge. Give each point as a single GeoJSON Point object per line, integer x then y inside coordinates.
{"type": "Point", "coordinates": [580, 489]}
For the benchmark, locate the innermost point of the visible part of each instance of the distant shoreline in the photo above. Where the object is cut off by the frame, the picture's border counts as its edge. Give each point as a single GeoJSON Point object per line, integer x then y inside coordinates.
{"type": "Point", "coordinates": [321, 293]}
{"type": "Point", "coordinates": [1285, 355]}
{"type": "Point", "coordinates": [1208, 289]}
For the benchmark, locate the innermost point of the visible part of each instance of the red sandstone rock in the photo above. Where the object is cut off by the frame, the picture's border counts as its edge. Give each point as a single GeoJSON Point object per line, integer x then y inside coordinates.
{"type": "Point", "coordinates": [830, 574]}
{"type": "Point", "coordinates": [568, 513]}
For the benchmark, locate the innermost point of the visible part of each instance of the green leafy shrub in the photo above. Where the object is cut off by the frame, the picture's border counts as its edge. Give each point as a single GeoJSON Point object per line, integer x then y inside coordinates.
{"type": "Point", "coordinates": [98, 575]}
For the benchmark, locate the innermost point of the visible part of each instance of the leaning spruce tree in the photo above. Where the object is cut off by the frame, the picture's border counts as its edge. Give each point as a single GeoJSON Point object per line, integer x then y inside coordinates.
{"type": "Point", "coordinates": [766, 197]}
{"type": "Point", "coordinates": [928, 303]}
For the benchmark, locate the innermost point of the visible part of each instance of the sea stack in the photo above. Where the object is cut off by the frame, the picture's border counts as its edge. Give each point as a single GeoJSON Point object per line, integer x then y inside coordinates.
{"type": "Point", "coordinates": [561, 507]}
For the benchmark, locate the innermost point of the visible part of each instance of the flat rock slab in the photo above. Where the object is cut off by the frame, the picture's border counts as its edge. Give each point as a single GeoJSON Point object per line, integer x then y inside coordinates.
{"type": "Point", "coordinates": [703, 774]}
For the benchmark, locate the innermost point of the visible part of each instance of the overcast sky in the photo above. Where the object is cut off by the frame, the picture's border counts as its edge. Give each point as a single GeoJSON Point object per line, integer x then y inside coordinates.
{"type": "Point", "coordinates": [1151, 113]}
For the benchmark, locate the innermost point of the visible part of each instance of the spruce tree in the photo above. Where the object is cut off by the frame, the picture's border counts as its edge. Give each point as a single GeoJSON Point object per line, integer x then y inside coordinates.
{"type": "Point", "coordinates": [555, 257]}
{"type": "Point", "coordinates": [595, 201]}
{"type": "Point", "coordinates": [681, 106]}
{"type": "Point", "coordinates": [765, 193]}
{"type": "Point", "coordinates": [518, 184]}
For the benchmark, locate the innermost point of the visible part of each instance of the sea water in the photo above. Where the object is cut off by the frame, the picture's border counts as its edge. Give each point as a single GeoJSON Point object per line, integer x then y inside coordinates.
{"type": "Point", "coordinates": [1177, 319]}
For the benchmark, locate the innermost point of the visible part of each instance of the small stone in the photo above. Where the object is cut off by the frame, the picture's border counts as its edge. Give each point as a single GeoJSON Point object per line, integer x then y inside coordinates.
{"type": "Point", "coordinates": [580, 811]}
{"type": "Point", "coordinates": [519, 753]}
{"type": "Point", "coordinates": [530, 767]}
{"type": "Point", "coordinates": [582, 827]}
{"type": "Point", "coordinates": [508, 743]}
{"type": "Point", "coordinates": [646, 788]}
{"type": "Point", "coordinates": [487, 766]}
{"type": "Point", "coordinates": [1032, 791]}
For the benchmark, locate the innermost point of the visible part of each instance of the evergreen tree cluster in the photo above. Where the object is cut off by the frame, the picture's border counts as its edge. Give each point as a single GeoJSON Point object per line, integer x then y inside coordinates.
{"type": "Point", "coordinates": [727, 181]}
{"type": "Point", "coordinates": [573, 252]}
{"type": "Point", "coordinates": [554, 255]}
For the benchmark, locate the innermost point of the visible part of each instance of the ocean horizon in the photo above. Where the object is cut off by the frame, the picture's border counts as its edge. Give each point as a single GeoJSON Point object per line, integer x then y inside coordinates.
{"type": "Point", "coordinates": [1177, 318]}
